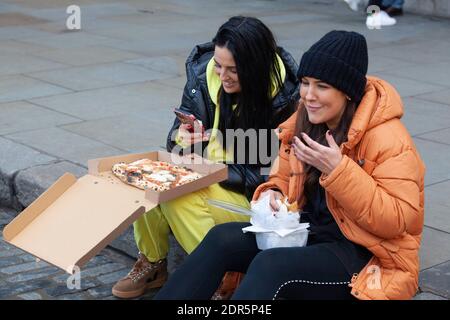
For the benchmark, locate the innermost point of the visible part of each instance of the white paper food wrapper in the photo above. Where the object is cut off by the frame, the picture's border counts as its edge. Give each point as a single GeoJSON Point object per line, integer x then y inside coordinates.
{"type": "Point", "coordinates": [266, 220]}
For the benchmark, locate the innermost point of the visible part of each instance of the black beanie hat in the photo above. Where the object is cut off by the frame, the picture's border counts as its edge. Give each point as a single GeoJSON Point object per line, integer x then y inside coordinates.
{"type": "Point", "coordinates": [340, 59]}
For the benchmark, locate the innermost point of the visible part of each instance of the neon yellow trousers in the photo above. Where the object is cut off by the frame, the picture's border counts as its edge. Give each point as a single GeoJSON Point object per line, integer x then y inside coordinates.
{"type": "Point", "coordinates": [189, 217]}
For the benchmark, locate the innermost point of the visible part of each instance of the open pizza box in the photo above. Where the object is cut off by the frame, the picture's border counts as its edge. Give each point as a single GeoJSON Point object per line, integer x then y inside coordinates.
{"type": "Point", "coordinates": [75, 219]}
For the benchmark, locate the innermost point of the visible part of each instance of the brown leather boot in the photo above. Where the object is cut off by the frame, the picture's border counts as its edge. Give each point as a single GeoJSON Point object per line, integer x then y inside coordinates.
{"type": "Point", "coordinates": [144, 276]}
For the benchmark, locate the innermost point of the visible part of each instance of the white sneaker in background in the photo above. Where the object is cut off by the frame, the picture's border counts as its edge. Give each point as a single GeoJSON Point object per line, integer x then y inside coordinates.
{"type": "Point", "coordinates": [379, 19]}
{"type": "Point", "coordinates": [353, 4]}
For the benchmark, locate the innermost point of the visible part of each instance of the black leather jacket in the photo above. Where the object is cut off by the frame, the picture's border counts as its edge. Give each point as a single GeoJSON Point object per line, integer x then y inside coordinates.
{"type": "Point", "coordinates": [243, 178]}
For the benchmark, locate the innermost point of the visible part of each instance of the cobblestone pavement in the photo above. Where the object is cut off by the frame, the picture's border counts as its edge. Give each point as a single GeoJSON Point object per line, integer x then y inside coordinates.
{"type": "Point", "coordinates": [22, 276]}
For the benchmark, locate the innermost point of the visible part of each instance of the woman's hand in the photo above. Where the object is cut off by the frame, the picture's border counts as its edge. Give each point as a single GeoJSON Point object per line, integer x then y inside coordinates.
{"type": "Point", "coordinates": [321, 157]}
{"type": "Point", "coordinates": [274, 196]}
{"type": "Point", "coordinates": [188, 136]}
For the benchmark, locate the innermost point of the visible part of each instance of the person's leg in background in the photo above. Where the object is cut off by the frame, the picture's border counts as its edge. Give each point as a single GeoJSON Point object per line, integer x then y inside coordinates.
{"type": "Point", "coordinates": [225, 248]}
{"type": "Point", "coordinates": [378, 3]}
{"type": "Point", "coordinates": [300, 273]}
{"type": "Point", "coordinates": [393, 7]}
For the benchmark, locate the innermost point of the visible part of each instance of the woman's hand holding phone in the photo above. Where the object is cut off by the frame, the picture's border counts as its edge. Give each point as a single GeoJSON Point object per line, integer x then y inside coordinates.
{"type": "Point", "coordinates": [187, 134]}
{"type": "Point", "coordinates": [191, 130]}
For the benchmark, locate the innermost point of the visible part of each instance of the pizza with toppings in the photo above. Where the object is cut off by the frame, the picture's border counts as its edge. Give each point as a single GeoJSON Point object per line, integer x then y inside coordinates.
{"type": "Point", "coordinates": [154, 175]}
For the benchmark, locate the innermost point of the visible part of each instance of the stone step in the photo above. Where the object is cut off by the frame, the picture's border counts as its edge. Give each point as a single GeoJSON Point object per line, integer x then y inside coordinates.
{"type": "Point", "coordinates": [438, 8]}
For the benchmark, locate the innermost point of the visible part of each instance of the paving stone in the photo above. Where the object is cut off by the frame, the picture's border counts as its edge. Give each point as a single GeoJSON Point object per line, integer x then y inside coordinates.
{"type": "Point", "coordinates": [4, 245]}
{"type": "Point", "coordinates": [435, 156]}
{"type": "Point", "coordinates": [90, 11]}
{"type": "Point", "coordinates": [177, 82]}
{"type": "Point", "coordinates": [9, 261]}
{"type": "Point", "coordinates": [6, 216]}
{"type": "Point", "coordinates": [21, 64]}
{"type": "Point", "coordinates": [126, 243]}
{"type": "Point", "coordinates": [18, 19]}
{"type": "Point", "coordinates": [28, 257]}
{"type": "Point", "coordinates": [100, 270]}
{"type": "Point", "coordinates": [86, 56]}
{"type": "Point", "coordinates": [24, 267]}
{"type": "Point", "coordinates": [63, 290]}
{"type": "Point", "coordinates": [19, 87]}
{"type": "Point", "coordinates": [55, 141]}
{"type": "Point", "coordinates": [30, 296]}
{"type": "Point", "coordinates": [32, 275]}
{"type": "Point", "coordinates": [292, 18]}
{"type": "Point", "coordinates": [407, 87]}
{"type": "Point", "coordinates": [380, 63]}
{"type": "Point", "coordinates": [441, 96]}
{"type": "Point", "coordinates": [429, 73]}
{"type": "Point", "coordinates": [113, 277]}
{"type": "Point", "coordinates": [29, 117]}
{"type": "Point", "coordinates": [110, 298]}
{"type": "Point", "coordinates": [15, 46]}
{"type": "Point", "coordinates": [436, 280]}
{"type": "Point", "coordinates": [6, 191]}
{"type": "Point", "coordinates": [97, 261]}
{"type": "Point", "coordinates": [98, 76]}
{"type": "Point", "coordinates": [74, 296]}
{"type": "Point", "coordinates": [147, 130]}
{"type": "Point", "coordinates": [422, 116]}
{"type": "Point", "coordinates": [22, 287]}
{"type": "Point", "coordinates": [441, 136]}
{"type": "Point", "coordinates": [91, 272]}
{"type": "Point", "coordinates": [117, 101]}
{"type": "Point", "coordinates": [31, 183]}
{"type": "Point", "coordinates": [176, 255]}
{"type": "Point", "coordinates": [434, 245]}
{"type": "Point", "coordinates": [69, 40]}
{"type": "Point", "coordinates": [10, 252]}
{"type": "Point", "coordinates": [437, 207]}
{"type": "Point", "coordinates": [434, 8]}
{"type": "Point", "coordinates": [100, 292]}
{"type": "Point", "coordinates": [173, 66]}
{"type": "Point", "coordinates": [416, 51]}
{"type": "Point", "coordinates": [428, 296]}
{"type": "Point", "coordinates": [20, 32]}
{"type": "Point", "coordinates": [15, 157]}
{"type": "Point", "coordinates": [175, 44]}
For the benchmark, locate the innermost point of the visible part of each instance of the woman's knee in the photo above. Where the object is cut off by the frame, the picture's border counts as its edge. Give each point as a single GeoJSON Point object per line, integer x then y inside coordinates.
{"type": "Point", "coordinates": [225, 235]}
{"type": "Point", "coordinates": [267, 261]}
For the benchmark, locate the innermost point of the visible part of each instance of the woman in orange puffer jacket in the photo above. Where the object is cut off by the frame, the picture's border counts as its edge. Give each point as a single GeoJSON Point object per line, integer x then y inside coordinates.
{"type": "Point", "coordinates": [352, 167]}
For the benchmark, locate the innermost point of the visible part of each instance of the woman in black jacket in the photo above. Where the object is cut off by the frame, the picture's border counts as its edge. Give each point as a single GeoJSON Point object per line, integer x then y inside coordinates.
{"type": "Point", "coordinates": [241, 81]}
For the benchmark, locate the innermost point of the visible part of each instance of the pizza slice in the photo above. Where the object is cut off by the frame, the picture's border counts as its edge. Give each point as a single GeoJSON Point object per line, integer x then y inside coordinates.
{"type": "Point", "coordinates": [154, 175]}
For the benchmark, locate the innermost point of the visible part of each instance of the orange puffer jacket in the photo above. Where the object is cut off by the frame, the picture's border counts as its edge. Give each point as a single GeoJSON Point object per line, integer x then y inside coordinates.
{"type": "Point", "coordinates": [375, 194]}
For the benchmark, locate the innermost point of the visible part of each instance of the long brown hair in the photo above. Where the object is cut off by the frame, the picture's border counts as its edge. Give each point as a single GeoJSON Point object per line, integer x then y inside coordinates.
{"type": "Point", "coordinates": [317, 133]}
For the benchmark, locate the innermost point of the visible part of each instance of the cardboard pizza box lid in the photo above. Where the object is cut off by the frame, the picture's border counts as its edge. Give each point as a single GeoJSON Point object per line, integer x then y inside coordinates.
{"type": "Point", "coordinates": [75, 219]}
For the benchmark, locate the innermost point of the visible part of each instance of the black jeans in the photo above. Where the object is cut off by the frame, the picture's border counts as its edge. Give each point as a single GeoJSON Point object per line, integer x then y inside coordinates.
{"type": "Point", "coordinates": [312, 272]}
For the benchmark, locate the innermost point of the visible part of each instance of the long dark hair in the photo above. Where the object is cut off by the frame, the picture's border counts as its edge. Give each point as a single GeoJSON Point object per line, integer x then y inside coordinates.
{"type": "Point", "coordinates": [254, 50]}
{"type": "Point", "coordinates": [317, 133]}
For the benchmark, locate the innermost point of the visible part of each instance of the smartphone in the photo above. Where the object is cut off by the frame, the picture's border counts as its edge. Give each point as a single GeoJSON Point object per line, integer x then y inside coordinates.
{"type": "Point", "coordinates": [185, 117]}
